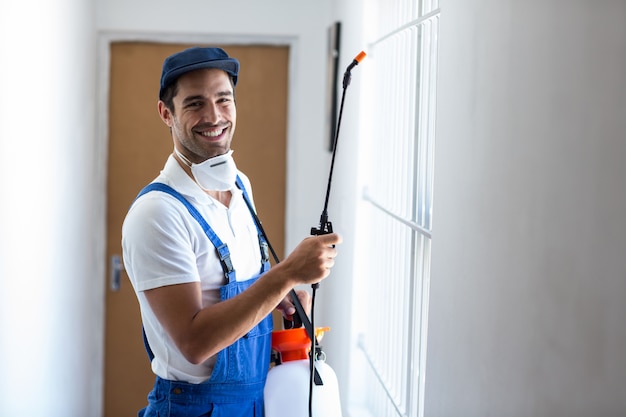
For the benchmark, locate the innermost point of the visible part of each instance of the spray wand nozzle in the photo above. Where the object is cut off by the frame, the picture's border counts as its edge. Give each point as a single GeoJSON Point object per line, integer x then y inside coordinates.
{"type": "Point", "coordinates": [347, 76]}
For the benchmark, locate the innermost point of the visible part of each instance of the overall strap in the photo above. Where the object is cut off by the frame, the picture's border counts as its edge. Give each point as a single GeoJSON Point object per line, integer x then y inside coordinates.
{"type": "Point", "coordinates": [301, 314]}
{"type": "Point", "coordinates": [222, 250]}
{"type": "Point", "coordinates": [263, 245]}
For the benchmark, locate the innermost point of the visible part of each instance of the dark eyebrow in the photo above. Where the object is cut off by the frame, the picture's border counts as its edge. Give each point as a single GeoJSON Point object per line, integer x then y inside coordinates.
{"type": "Point", "coordinates": [189, 99]}
{"type": "Point", "coordinates": [225, 93]}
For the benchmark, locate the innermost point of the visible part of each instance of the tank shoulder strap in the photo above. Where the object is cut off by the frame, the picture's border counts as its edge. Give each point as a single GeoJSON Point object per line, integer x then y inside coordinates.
{"type": "Point", "coordinates": [263, 245]}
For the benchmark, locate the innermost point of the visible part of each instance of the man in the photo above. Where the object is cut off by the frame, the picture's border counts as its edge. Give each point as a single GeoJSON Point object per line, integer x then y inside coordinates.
{"type": "Point", "coordinates": [198, 260]}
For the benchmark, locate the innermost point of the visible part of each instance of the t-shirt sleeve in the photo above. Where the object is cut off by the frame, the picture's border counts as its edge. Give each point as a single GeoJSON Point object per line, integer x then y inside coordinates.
{"type": "Point", "coordinates": [158, 249]}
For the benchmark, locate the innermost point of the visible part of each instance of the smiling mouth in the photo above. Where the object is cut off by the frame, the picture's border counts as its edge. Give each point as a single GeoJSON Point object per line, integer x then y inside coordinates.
{"type": "Point", "coordinates": [212, 133]}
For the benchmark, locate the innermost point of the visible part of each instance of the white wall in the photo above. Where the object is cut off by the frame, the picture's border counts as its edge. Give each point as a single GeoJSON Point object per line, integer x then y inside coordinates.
{"type": "Point", "coordinates": [528, 280]}
{"type": "Point", "coordinates": [49, 351]}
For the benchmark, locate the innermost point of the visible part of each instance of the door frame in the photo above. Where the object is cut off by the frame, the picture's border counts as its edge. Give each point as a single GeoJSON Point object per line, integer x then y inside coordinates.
{"type": "Point", "coordinates": [104, 40]}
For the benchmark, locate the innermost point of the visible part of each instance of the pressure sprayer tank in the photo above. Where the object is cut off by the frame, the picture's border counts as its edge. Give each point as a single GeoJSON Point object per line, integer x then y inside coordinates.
{"type": "Point", "coordinates": [287, 387]}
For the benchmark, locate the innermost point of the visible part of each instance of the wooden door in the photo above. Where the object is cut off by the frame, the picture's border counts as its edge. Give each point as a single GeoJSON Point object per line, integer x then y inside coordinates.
{"type": "Point", "coordinates": [139, 144]}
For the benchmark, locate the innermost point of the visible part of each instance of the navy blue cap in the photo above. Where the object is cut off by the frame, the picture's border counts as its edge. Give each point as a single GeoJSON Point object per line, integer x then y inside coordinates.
{"type": "Point", "coordinates": [196, 58]}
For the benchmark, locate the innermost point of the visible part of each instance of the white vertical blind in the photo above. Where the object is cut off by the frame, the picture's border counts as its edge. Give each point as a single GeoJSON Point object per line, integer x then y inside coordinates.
{"type": "Point", "coordinates": [398, 195]}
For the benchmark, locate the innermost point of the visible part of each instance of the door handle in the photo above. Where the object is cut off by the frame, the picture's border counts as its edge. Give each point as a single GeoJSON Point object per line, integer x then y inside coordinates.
{"type": "Point", "coordinates": [116, 266]}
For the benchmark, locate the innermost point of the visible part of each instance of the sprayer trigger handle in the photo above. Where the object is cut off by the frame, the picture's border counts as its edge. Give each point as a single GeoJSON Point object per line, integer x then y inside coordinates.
{"type": "Point", "coordinates": [294, 323]}
{"type": "Point", "coordinates": [323, 229]}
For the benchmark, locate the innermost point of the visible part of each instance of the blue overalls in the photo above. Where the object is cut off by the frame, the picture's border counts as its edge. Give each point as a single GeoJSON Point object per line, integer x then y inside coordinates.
{"type": "Point", "coordinates": [235, 388]}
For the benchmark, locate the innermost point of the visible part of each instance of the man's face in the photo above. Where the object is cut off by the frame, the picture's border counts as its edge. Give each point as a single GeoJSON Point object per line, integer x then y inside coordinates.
{"type": "Point", "coordinates": [204, 117]}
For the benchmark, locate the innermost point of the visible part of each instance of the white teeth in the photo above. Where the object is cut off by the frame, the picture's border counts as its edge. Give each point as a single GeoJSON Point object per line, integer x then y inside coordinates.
{"type": "Point", "coordinates": [213, 134]}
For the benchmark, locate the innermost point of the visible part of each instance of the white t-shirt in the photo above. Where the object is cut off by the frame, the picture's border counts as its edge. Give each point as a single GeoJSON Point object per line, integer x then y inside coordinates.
{"type": "Point", "coordinates": [164, 245]}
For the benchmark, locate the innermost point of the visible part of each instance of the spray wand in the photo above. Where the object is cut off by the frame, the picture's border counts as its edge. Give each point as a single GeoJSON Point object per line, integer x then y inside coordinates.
{"type": "Point", "coordinates": [325, 227]}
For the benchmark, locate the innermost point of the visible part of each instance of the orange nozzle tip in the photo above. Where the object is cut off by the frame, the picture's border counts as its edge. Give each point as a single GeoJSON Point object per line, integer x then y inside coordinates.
{"type": "Point", "coordinates": [319, 332]}
{"type": "Point", "coordinates": [360, 57]}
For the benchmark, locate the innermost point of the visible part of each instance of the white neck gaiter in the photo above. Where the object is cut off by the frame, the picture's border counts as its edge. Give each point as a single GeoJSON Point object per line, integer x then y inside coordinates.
{"type": "Point", "coordinates": [215, 174]}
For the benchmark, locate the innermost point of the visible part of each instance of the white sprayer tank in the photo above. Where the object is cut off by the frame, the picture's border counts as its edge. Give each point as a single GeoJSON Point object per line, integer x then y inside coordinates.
{"type": "Point", "coordinates": [287, 387]}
